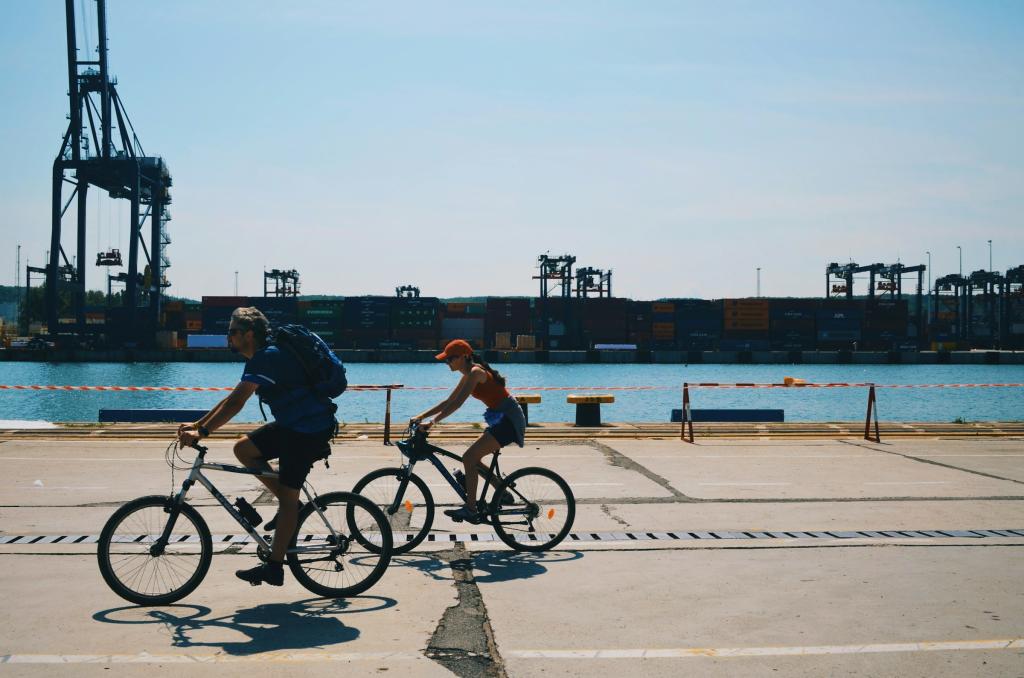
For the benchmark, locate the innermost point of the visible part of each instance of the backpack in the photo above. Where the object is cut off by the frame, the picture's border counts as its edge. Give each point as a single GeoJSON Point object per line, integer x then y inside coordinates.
{"type": "Point", "coordinates": [324, 372]}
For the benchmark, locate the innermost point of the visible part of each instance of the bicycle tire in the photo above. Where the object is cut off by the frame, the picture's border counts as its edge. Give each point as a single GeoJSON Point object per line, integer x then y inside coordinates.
{"type": "Point", "coordinates": [384, 496]}
{"type": "Point", "coordinates": [189, 573]}
{"type": "Point", "coordinates": [519, 485]}
{"type": "Point", "coordinates": [341, 574]}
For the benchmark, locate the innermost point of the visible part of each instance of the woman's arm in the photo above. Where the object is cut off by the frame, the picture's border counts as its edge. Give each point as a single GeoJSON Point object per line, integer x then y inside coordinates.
{"type": "Point", "coordinates": [459, 395]}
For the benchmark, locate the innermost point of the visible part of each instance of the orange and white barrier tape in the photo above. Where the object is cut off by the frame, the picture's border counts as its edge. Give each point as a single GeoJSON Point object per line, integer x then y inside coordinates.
{"type": "Point", "coordinates": [846, 385]}
{"type": "Point", "coordinates": [36, 387]}
{"type": "Point", "coordinates": [383, 387]}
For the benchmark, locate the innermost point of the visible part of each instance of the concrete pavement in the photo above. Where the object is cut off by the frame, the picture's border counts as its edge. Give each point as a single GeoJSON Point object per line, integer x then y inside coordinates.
{"type": "Point", "coordinates": [896, 580]}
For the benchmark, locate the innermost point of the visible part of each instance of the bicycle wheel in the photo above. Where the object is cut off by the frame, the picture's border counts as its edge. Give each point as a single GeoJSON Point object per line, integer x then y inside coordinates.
{"type": "Point", "coordinates": [411, 521]}
{"type": "Point", "coordinates": [330, 562]}
{"type": "Point", "coordinates": [140, 570]}
{"type": "Point", "coordinates": [536, 509]}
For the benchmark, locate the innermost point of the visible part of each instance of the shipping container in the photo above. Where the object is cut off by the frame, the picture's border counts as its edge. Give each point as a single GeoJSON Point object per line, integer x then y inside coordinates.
{"type": "Point", "coordinates": [469, 329]}
{"type": "Point", "coordinates": [207, 341]}
{"type": "Point", "coordinates": [698, 315]}
{"type": "Point", "coordinates": [698, 340]}
{"type": "Point", "coordinates": [793, 309]}
{"type": "Point", "coordinates": [233, 302]}
{"type": "Point", "coordinates": [368, 313]}
{"type": "Point", "coordinates": [508, 316]}
{"type": "Point", "coordinates": [420, 313]}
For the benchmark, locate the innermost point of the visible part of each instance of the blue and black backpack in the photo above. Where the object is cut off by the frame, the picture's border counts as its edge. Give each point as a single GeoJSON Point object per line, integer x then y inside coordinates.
{"type": "Point", "coordinates": [325, 374]}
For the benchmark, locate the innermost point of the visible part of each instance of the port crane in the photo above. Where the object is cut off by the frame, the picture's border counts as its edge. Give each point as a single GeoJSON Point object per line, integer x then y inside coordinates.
{"type": "Point", "coordinates": [101, 151]}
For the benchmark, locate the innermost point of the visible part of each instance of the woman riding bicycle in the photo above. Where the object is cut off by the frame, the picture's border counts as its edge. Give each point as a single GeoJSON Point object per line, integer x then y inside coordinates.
{"type": "Point", "coordinates": [506, 422]}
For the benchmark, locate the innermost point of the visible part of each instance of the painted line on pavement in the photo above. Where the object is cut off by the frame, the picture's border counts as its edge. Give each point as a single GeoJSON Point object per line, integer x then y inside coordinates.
{"type": "Point", "coordinates": [800, 650]}
{"type": "Point", "coordinates": [146, 658]}
{"type": "Point", "coordinates": [620, 536]}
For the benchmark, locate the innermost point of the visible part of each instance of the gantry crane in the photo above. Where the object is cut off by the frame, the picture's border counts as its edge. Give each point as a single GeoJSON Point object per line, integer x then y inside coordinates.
{"type": "Point", "coordinates": [115, 162]}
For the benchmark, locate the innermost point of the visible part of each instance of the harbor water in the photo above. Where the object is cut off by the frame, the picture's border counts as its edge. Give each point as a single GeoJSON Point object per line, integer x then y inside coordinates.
{"type": "Point", "coordinates": [835, 404]}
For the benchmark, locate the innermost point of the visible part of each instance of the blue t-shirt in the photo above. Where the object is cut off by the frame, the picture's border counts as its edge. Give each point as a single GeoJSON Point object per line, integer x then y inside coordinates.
{"type": "Point", "coordinates": [282, 385]}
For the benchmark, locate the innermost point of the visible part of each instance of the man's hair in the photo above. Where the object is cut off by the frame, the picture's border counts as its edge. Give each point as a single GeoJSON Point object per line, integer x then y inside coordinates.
{"type": "Point", "coordinates": [251, 318]}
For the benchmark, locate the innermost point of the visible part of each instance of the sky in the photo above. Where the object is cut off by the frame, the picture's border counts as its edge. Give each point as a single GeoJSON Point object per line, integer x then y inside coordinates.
{"type": "Point", "coordinates": [683, 145]}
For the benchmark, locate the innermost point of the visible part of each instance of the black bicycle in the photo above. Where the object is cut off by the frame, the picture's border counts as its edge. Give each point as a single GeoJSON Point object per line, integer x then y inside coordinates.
{"type": "Point", "coordinates": [157, 549]}
{"type": "Point", "coordinates": [531, 509]}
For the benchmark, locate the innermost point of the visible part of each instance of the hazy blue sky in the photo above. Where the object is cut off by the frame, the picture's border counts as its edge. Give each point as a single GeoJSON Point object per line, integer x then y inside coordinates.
{"type": "Point", "coordinates": [447, 144]}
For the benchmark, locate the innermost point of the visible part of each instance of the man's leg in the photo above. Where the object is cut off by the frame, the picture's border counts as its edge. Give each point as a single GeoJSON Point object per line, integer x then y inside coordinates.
{"type": "Point", "coordinates": [249, 455]}
{"type": "Point", "coordinates": [287, 517]}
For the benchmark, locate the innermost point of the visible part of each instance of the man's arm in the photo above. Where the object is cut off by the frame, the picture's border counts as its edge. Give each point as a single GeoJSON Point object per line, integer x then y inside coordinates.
{"type": "Point", "coordinates": [221, 413]}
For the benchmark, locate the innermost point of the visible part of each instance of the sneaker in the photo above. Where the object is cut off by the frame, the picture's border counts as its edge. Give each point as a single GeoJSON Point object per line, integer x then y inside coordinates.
{"type": "Point", "coordinates": [464, 514]}
{"type": "Point", "coordinates": [271, 573]}
{"type": "Point", "coordinates": [272, 523]}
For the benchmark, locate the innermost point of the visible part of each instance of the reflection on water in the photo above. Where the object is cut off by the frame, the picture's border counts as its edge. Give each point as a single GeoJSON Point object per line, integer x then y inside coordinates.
{"type": "Point", "coordinates": [800, 405]}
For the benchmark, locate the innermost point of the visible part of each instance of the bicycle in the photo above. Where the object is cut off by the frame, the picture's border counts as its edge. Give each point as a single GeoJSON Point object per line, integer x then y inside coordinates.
{"type": "Point", "coordinates": [531, 509]}
{"type": "Point", "coordinates": [157, 549]}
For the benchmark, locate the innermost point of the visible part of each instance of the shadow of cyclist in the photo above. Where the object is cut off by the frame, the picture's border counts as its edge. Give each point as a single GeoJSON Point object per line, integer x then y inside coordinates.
{"type": "Point", "coordinates": [487, 566]}
{"type": "Point", "coordinates": [269, 627]}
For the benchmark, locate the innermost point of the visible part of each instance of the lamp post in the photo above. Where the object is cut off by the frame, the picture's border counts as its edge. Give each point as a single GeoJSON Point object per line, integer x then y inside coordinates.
{"type": "Point", "coordinates": [990, 254]}
{"type": "Point", "coordinates": [960, 254]}
{"type": "Point", "coordinates": [758, 282]}
{"type": "Point", "coordinates": [236, 283]}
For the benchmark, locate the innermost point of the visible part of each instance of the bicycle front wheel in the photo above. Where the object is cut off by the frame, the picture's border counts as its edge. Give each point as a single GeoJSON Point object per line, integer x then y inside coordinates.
{"type": "Point", "coordinates": [411, 520]}
{"type": "Point", "coordinates": [141, 569]}
{"type": "Point", "coordinates": [533, 509]}
{"type": "Point", "coordinates": [326, 558]}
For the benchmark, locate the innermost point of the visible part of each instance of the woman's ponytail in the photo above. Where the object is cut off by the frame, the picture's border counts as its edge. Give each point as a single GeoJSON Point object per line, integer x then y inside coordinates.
{"type": "Point", "coordinates": [477, 360]}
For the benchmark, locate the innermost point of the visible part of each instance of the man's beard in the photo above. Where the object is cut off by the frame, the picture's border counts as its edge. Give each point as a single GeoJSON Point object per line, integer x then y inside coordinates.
{"type": "Point", "coordinates": [231, 347]}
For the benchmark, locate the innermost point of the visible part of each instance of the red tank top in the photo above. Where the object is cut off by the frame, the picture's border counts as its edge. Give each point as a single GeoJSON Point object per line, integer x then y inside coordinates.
{"type": "Point", "coordinates": [490, 392]}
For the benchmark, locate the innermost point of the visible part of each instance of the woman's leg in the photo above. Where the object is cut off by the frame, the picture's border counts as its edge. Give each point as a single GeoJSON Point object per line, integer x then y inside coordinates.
{"type": "Point", "coordinates": [484, 445]}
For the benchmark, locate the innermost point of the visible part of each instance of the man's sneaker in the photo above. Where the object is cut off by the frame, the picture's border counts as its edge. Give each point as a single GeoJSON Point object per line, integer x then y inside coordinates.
{"type": "Point", "coordinates": [272, 523]}
{"type": "Point", "coordinates": [464, 514]}
{"type": "Point", "coordinates": [271, 573]}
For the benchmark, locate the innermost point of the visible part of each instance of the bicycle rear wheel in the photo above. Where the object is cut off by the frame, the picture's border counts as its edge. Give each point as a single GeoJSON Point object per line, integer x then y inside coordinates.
{"type": "Point", "coordinates": [142, 571]}
{"type": "Point", "coordinates": [326, 558]}
{"type": "Point", "coordinates": [535, 511]}
{"type": "Point", "coordinates": [411, 521]}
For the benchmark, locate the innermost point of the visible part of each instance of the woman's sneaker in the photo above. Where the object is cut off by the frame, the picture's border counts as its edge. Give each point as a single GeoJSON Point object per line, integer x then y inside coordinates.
{"type": "Point", "coordinates": [464, 514]}
{"type": "Point", "coordinates": [272, 523]}
{"type": "Point", "coordinates": [271, 573]}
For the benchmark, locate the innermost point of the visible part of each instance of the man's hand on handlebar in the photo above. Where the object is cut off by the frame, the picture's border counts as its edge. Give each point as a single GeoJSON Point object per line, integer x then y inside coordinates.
{"type": "Point", "coordinates": [188, 436]}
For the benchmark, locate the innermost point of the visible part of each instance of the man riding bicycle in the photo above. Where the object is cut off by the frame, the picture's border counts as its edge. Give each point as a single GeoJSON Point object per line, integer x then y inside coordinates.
{"type": "Point", "coordinates": [300, 434]}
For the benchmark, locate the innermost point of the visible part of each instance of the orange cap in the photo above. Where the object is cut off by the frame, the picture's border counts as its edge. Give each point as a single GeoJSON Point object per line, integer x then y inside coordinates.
{"type": "Point", "coordinates": [455, 347]}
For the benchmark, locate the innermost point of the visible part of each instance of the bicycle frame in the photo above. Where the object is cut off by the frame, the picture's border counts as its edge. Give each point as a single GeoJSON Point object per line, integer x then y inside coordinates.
{"type": "Point", "coordinates": [431, 453]}
{"type": "Point", "coordinates": [196, 475]}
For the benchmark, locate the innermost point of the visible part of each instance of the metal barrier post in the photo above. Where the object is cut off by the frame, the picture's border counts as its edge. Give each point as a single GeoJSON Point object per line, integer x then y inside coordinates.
{"type": "Point", "coordinates": [872, 410]}
{"type": "Point", "coordinates": [387, 419]}
{"type": "Point", "coordinates": [684, 418]}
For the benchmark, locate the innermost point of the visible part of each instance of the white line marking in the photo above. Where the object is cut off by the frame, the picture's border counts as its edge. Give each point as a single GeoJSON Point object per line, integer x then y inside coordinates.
{"type": "Point", "coordinates": [689, 652]}
{"type": "Point", "coordinates": [60, 487]}
{"type": "Point", "coordinates": [739, 484]}
{"type": "Point", "coordinates": [82, 459]}
{"type": "Point", "coordinates": [146, 658]}
{"type": "Point", "coordinates": [909, 482]}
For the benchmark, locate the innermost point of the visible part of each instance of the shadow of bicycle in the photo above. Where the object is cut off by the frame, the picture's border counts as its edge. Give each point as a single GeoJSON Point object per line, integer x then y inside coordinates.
{"type": "Point", "coordinates": [269, 627]}
{"type": "Point", "coordinates": [488, 567]}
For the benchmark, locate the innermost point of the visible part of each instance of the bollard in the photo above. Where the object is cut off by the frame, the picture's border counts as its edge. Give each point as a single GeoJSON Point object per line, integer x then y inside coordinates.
{"type": "Point", "coordinates": [524, 400]}
{"type": "Point", "coordinates": [588, 407]}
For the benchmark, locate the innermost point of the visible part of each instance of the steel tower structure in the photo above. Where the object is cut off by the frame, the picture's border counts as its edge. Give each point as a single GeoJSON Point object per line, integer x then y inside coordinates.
{"type": "Point", "coordinates": [116, 163]}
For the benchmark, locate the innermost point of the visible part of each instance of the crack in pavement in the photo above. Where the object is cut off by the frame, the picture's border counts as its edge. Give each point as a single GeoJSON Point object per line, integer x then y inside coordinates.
{"type": "Point", "coordinates": [463, 641]}
{"type": "Point", "coordinates": [616, 458]}
{"type": "Point", "coordinates": [608, 512]}
{"type": "Point", "coordinates": [934, 463]}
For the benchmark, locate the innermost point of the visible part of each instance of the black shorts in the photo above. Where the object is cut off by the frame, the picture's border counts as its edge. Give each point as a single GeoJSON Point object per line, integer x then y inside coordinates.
{"type": "Point", "coordinates": [504, 432]}
{"type": "Point", "coordinates": [297, 451]}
